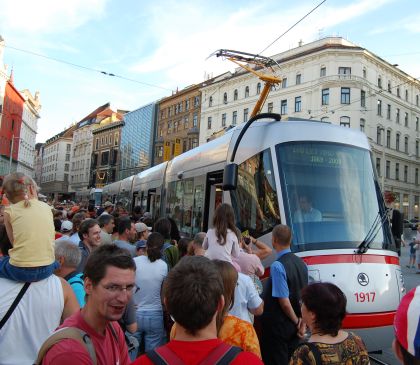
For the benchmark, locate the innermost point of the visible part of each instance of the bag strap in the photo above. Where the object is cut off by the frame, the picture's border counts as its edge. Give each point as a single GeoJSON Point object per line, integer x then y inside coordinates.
{"type": "Point", "coordinates": [64, 333]}
{"type": "Point", "coordinates": [14, 304]}
{"type": "Point", "coordinates": [315, 351]}
{"type": "Point", "coordinates": [164, 356]}
{"type": "Point", "coordinates": [222, 354]}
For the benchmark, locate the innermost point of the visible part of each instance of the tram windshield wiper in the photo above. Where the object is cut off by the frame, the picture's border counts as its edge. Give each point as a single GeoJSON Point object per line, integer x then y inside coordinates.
{"type": "Point", "coordinates": [372, 233]}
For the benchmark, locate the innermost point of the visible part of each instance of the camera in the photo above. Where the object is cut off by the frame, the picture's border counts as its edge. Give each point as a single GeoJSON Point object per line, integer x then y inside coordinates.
{"type": "Point", "coordinates": [247, 240]}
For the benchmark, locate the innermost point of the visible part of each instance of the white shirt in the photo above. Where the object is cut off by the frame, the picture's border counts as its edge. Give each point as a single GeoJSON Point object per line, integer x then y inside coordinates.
{"type": "Point", "coordinates": [216, 251]}
{"type": "Point", "coordinates": [246, 297]}
{"type": "Point", "coordinates": [149, 278]}
{"type": "Point", "coordinates": [37, 315]}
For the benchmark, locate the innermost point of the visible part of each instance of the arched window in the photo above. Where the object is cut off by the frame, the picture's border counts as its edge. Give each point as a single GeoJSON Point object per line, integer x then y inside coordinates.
{"type": "Point", "coordinates": [406, 144]}
{"type": "Point", "coordinates": [210, 101]}
{"type": "Point", "coordinates": [258, 88]}
{"type": "Point", "coordinates": [225, 98]}
{"type": "Point", "coordinates": [325, 120]}
{"type": "Point", "coordinates": [235, 94]}
{"type": "Point", "coordinates": [345, 122]}
{"type": "Point", "coordinates": [247, 91]}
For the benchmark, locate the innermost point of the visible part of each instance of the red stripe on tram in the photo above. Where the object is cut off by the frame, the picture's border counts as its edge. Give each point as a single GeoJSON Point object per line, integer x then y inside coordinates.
{"type": "Point", "coordinates": [351, 259]}
{"type": "Point", "coordinates": [368, 320]}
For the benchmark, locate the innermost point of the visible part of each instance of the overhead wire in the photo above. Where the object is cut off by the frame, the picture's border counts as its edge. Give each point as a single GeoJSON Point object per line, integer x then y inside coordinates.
{"type": "Point", "coordinates": [85, 67]}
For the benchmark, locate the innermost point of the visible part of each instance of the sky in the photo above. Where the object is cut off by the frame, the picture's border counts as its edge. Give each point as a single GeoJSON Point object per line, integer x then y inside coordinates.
{"type": "Point", "coordinates": [164, 45]}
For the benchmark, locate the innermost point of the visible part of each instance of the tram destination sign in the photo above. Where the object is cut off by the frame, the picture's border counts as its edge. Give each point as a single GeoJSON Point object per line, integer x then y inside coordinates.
{"type": "Point", "coordinates": [323, 156]}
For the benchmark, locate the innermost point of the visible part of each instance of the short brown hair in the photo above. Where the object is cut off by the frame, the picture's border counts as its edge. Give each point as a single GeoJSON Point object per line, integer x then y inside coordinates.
{"type": "Point", "coordinates": [192, 292]}
{"type": "Point", "coordinates": [282, 234]}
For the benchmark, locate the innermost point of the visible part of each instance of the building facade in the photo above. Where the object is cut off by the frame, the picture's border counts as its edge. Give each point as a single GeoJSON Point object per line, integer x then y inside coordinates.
{"type": "Point", "coordinates": [38, 154]}
{"type": "Point", "coordinates": [105, 155]}
{"type": "Point", "coordinates": [335, 81]}
{"type": "Point", "coordinates": [10, 128]}
{"type": "Point", "coordinates": [178, 124]}
{"type": "Point", "coordinates": [56, 165]}
{"type": "Point", "coordinates": [137, 140]}
{"type": "Point", "coordinates": [28, 132]}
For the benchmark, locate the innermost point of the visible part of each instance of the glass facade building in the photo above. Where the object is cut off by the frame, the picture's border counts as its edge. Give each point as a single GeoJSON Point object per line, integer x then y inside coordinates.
{"type": "Point", "coordinates": [137, 137]}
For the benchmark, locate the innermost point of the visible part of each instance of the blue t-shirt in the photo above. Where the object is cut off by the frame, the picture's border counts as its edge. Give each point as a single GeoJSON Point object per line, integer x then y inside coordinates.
{"type": "Point", "coordinates": [279, 277]}
{"type": "Point", "coordinates": [76, 282]}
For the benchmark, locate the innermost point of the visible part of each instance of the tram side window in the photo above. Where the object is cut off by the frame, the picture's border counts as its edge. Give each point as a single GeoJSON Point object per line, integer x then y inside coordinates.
{"type": "Point", "coordinates": [180, 204]}
{"type": "Point", "coordinates": [255, 199]}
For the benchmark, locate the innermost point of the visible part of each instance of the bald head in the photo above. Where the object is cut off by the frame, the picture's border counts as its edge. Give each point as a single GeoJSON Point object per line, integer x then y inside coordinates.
{"type": "Point", "coordinates": [281, 236]}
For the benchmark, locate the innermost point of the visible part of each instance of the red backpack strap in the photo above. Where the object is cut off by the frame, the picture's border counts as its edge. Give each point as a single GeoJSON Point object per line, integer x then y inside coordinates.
{"type": "Point", "coordinates": [164, 356]}
{"type": "Point", "coordinates": [222, 354]}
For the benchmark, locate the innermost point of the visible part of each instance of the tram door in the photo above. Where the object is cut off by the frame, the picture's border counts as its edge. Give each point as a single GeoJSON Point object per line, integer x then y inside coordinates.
{"type": "Point", "coordinates": [214, 197]}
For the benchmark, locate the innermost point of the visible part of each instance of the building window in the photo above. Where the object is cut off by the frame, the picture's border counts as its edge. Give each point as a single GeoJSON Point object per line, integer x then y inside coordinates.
{"type": "Point", "coordinates": [388, 111]}
{"type": "Point", "coordinates": [406, 95]}
{"type": "Point", "coordinates": [209, 123]}
{"type": "Point", "coordinates": [406, 144]}
{"type": "Point", "coordinates": [246, 91]}
{"type": "Point", "coordinates": [397, 142]}
{"type": "Point", "coordinates": [417, 100]}
{"type": "Point", "coordinates": [362, 125]}
{"type": "Point", "coordinates": [344, 71]}
{"type": "Point", "coordinates": [378, 134]}
{"type": "Point", "coordinates": [245, 115]}
{"type": "Point", "coordinates": [364, 72]}
{"type": "Point", "coordinates": [417, 148]}
{"type": "Point", "coordinates": [195, 120]}
{"type": "Point", "coordinates": [187, 105]}
{"type": "Point", "coordinates": [96, 144]}
{"type": "Point", "coordinates": [186, 122]}
{"type": "Point", "coordinates": [388, 169]}
{"type": "Point", "coordinates": [234, 117]}
{"type": "Point", "coordinates": [169, 127]}
{"type": "Point", "coordinates": [397, 171]}
{"type": "Point", "coordinates": [224, 120]}
{"type": "Point", "coordinates": [389, 87]}
{"type": "Point", "coordinates": [397, 116]}
{"type": "Point", "coordinates": [298, 104]}
{"type": "Point", "coordinates": [379, 108]}
{"type": "Point", "coordinates": [235, 94]}
{"type": "Point", "coordinates": [323, 72]}
{"type": "Point", "coordinates": [258, 88]}
{"type": "Point", "coordinates": [405, 173]}
{"type": "Point", "coordinates": [388, 138]}
{"type": "Point", "coordinates": [196, 101]}
{"type": "Point", "coordinates": [104, 158]}
{"type": "Point", "coordinates": [67, 156]}
{"type": "Point", "coordinates": [406, 119]}
{"type": "Point", "coordinates": [345, 122]}
{"type": "Point", "coordinates": [416, 177]}
{"type": "Point", "coordinates": [298, 79]}
{"type": "Point", "coordinates": [345, 95]}
{"type": "Point", "coordinates": [380, 82]}
{"type": "Point", "coordinates": [283, 107]}
{"type": "Point", "coordinates": [225, 98]}
{"type": "Point", "coordinates": [68, 147]}
{"type": "Point", "coordinates": [66, 167]}
{"type": "Point", "coordinates": [398, 92]}
{"type": "Point", "coordinates": [270, 107]}
{"type": "Point", "coordinates": [417, 124]}
{"type": "Point", "coordinates": [325, 98]}
{"type": "Point", "coordinates": [194, 143]}
{"type": "Point", "coordinates": [210, 101]}
{"type": "Point", "coordinates": [378, 166]}
{"type": "Point", "coordinates": [363, 98]}
{"type": "Point", "coordinates": [184, 145]}
{"type": "Point", "coordinates": [325, 120]}
{"type": "Point", "coordinates": [284, 83]}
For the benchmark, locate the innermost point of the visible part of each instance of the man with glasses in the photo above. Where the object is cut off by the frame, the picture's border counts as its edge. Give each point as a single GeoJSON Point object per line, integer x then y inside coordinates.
{"type": "Point", "coordinates": [109, 280]}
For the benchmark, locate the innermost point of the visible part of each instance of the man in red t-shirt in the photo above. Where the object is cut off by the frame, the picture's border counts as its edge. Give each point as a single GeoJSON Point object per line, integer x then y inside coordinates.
{"type": "Point", "coordinates": [193, 295]}
{"type": "Point", "coordinates": [109, 283]}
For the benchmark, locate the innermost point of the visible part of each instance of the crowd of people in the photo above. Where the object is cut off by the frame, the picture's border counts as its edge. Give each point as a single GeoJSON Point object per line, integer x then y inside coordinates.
{"type": "Point", "coordinates": [83, 285]}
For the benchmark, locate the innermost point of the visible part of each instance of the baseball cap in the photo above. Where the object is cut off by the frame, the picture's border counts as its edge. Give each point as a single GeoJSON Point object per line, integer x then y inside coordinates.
{"type": "Point", "coordinates": [141, 227]}
{"type": "Point", "coordinates": [141, 244]}
{"type": "Point", "coordinates": [108, 204]}
{"type": "Point", "coordinates": [407, 322]}
{"type": "Point", "coordinates": [66, 226]}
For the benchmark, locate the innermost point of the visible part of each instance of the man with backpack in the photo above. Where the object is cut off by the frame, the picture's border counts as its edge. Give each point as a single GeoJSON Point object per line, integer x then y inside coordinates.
{"type": "Point", "coordinates": [193, 295]}
{"type": "Point", "coordinates": [109, 279]}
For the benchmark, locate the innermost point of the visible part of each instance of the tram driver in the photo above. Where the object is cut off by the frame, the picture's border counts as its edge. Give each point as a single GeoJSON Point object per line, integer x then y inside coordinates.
{"type": "Point", "coordinates": [306, 212]}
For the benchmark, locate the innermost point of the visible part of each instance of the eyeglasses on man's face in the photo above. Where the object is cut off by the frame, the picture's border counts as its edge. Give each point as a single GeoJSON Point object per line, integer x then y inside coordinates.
{"type": "Point", "coordinates": [114, 288]}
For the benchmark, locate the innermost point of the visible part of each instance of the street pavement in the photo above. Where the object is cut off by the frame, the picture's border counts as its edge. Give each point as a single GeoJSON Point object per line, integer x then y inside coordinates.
{"type": "Point", "coordinates": [411, 280]}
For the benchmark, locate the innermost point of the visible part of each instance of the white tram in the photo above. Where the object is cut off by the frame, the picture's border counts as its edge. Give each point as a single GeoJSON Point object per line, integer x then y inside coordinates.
{"type": "Point", "coordinates": [348, 242]}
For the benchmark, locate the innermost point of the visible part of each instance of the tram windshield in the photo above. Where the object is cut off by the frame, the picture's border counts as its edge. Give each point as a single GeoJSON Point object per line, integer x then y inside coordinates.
{"type": "Point", "coordinates": [329, 195]}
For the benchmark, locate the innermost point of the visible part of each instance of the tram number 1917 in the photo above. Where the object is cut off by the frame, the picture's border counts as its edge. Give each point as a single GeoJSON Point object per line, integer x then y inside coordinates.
{"type": "Point", "coordinates": [365, 297]}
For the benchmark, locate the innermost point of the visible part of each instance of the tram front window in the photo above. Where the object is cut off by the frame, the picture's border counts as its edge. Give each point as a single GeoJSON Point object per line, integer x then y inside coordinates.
{"type": "Point", "coordinates": [329, 195]}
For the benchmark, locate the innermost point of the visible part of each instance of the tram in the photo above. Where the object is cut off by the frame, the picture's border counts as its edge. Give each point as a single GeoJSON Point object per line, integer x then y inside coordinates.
{"type": "Point", "coordinates": [349, 243]}
{"type": "Point", "coordinates": [317, 178]}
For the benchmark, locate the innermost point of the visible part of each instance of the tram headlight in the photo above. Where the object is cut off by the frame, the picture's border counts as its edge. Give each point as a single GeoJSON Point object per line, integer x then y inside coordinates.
{"type": "Point", "coordinates": [313, 276]}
